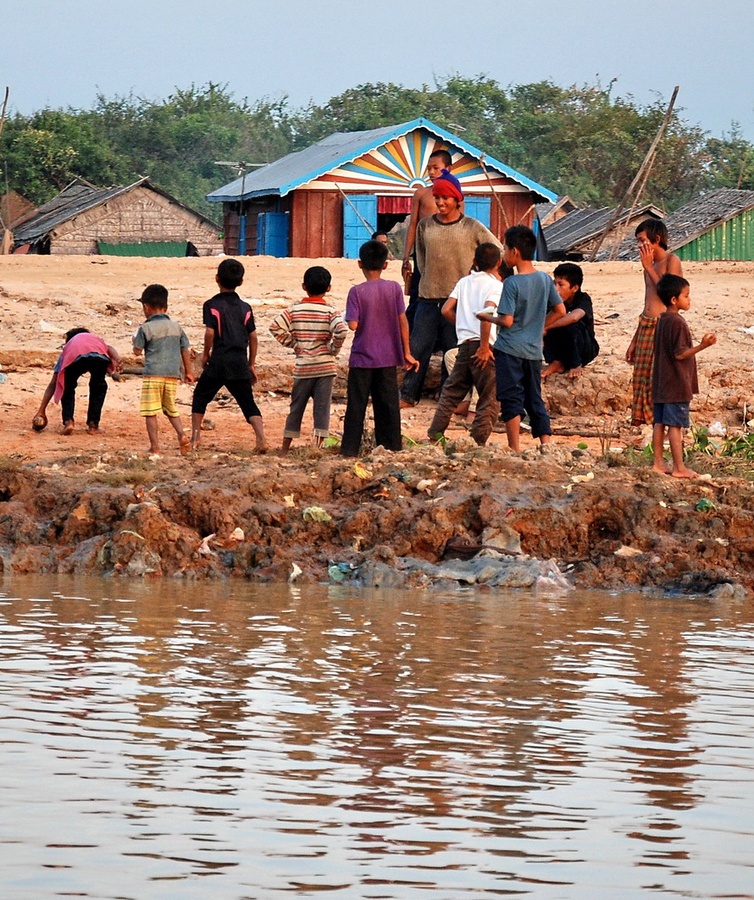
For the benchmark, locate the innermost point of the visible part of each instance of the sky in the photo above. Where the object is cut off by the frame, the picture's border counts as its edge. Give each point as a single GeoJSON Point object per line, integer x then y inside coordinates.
{"type": "Point", "coordinates": [63, 53]}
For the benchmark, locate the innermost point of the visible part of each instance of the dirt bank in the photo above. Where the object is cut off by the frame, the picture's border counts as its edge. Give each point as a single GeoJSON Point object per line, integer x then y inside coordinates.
{"type": "Point", "coordinates": [97, 504]}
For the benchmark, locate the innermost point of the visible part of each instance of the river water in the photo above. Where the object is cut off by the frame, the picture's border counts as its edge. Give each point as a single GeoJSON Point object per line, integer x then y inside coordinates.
{"type": "Point", "coordinates": [194, 740]}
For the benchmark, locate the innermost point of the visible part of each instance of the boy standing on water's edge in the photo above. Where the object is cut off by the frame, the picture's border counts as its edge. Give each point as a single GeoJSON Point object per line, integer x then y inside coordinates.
{"type": "Point", "coordinates": [376, 311]}
{"type": "Point", "coordinates": [674, 379]}
{"type": "Point", "coordinates": [652, 238]}
{"type": "Point", "coordinates": [529, 304]}
{"type": "Point", "coordinates": [165, 346]}
{"type": "Point", "coordinates": [230, 353]}
{"type": "Point", "coordinates": [315, 331]}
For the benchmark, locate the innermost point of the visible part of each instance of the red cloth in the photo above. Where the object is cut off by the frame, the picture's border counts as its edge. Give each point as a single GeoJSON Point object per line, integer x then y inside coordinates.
{"type": "Point", "coordinates": [447, 185]}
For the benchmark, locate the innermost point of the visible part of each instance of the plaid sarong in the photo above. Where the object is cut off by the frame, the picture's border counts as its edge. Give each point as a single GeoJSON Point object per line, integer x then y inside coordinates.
{"type": "Point", "coordinates": [644, 355]}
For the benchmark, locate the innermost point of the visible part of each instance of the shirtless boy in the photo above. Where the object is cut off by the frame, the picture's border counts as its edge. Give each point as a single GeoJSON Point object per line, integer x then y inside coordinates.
{"type": "Point", "coordinates": [652, 238]}
{"type": "Point", "coordinates": [422, 205]}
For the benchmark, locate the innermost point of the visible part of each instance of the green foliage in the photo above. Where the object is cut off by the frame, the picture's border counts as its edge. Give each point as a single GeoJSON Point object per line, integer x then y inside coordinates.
{"type": "Point", "coordinates": [581, 140]}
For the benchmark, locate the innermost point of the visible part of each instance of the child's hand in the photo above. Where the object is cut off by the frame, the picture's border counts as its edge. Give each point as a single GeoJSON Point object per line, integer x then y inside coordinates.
{"type": "Point", "coordinates": [137, 351]}
{"type": "Point", "coordinates": [411, 364]}
{"type": "Point", "coordinates": [631, 353]}
{"type": "Point", "coordinates": [252, 370]}
{"type": "Point", "coordinates": [708, 340]}
{"type": "Point", "coordinates": [646, 254]}
{"type": "Point", "coordinates": [483, 356]}
{"type": "Point", "coordinates": [485, 317]}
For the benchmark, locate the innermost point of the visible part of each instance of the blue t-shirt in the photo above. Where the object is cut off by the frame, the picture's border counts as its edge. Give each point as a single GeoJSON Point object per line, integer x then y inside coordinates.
{"type": "Point", "coordinates": [528, 298]}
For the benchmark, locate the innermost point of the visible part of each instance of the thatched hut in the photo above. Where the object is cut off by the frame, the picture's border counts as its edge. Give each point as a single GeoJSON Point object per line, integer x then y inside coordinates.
{"type": "Point", "coordinates": [137, 220]}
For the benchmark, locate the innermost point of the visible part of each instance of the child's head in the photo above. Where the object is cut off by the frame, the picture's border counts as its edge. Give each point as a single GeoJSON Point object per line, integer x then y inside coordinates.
{"type": "Point", "coordinates": [155, 296]}
{"type": "Point", "coordinates": [73, 332]}
{"type": "Point", "coordinates": [373, 256]}
{"type": "Point", "coordinates": [317, 281]}
{"type": "Point", "coordinates": [438, 160]}
{"type": "Point", "coordinates": [568, 279]}
{"type": "Point", "coordinates": [487, 257]}
{"type": "Point", "coordinates": [380, 236]}
{"type": "Point", "coordinates": [230, 274]}
{"type": "Point", "coordinates": [653, 230]}
{"type": "Point", "coordinates": [522, 239]}
{"type": "Point", "coordinates": [672, 287]}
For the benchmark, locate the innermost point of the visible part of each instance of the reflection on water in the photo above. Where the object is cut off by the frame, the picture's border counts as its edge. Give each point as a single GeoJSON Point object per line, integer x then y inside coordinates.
{"type": "Point", "coordinates": [325, 742]}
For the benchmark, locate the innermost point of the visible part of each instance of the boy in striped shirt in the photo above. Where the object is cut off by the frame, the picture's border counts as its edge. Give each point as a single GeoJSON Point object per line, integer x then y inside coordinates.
{"type": "Point", "coordinates": [315, 331]}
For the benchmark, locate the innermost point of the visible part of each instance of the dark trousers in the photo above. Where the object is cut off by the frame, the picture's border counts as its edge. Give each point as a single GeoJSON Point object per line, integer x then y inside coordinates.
{"type": "Point", "coordinates": [382, 386]}
{"type": "Point", "coordinates": [465, 375]}
{"type": "Point", "coordinates": [431, 331]}
{"type": "Point", "coordinates": [240, 389]}
{"type": "Point", "coordinates": [519, 388]}
{"type": "Point", "coordinates": [571, 345]}
{"type": "Point", "coordinates": [320, 391]}
{"type": "Point", "coordinates": [97, 369]}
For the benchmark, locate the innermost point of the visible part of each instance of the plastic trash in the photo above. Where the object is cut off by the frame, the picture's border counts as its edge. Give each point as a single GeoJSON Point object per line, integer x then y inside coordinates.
{"type": "Point", "coordinates": [237, 534]}
{"type": "Point", "coordinates": [295, 572]}
{"type": "Point", "coordinates": [341, 571]}
{"type": "Point", "coordinates": [717, 429]}
{"type": "Point", "coordinates": [704, 505]}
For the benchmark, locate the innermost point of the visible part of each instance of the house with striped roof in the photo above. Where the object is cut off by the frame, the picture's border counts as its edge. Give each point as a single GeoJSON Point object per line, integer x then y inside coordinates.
{"type": "Point", "coordinates": [326, 200]}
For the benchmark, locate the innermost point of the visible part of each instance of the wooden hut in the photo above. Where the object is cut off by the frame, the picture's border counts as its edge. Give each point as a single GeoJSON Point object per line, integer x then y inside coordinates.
{"type": "Point", "coordinates": [715, 225]}
{"type": "Point", "coordinates": [326, 200]}
{"type": "Point", "coordinates": [575, 235]}
{"type": "Point", "coordinates": [138, 220]}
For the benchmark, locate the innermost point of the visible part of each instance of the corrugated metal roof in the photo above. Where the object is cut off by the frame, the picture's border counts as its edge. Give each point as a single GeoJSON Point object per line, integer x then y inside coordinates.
{"type": "Point", "coordinates": [296, 169]}
{"type": "Point", "coordinates": [78, 197]}
{"type": "Point", "coordinates": [582, 226]}
{"type": "Point", "coordinates": [696, 217]}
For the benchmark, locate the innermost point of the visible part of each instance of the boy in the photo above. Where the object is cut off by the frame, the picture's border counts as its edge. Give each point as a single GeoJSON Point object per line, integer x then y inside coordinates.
{"type": "Point", "coordinates": [165, 346]}
{"type": "Point", "coordinates": [316, 332]}
{"type": "Point", "coordinates": [82, 352]}
{"type": "Point", "coordinates": [652, 238]}
{"type": "Point", "coordinates": [445, 246]}
{"type": "Point", "coordinates": [474, 365]}
{"type": "Point", "coordinates": [230, 353]}
{"type": "Point", "coordinates": [674, 379]}
{"type": "Point", "coordinates": [422, 205]}
{"type": "Point", "coordinates": [375, 311]}
{"type": "Point", "coordinates": [569, 343]}
{"type": "Point", "coordinates": [529, 304]}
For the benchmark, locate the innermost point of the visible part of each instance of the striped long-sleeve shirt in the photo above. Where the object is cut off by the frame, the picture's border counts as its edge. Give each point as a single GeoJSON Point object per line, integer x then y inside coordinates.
{"type": "Point", "coordinates": [315, 331]}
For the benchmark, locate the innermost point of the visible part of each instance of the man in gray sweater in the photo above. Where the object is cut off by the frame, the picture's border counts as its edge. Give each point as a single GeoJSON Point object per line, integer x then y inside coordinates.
{"type": "Point", "coordinates": [445, 246]}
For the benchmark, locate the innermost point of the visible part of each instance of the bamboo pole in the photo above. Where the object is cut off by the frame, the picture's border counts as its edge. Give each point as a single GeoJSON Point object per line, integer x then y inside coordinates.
{"type": "Point", "coordinates": [494, 193]}
{"type": "Point", "coordinates": [647, 163]}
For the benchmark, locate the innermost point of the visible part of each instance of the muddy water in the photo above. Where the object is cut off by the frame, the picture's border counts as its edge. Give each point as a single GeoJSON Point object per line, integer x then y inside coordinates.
{"type": "Point", "coordinates": [172, 740]}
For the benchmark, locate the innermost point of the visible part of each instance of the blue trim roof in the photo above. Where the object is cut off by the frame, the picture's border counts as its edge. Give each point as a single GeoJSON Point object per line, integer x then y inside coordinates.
{"type": "Point", "coordinates": [296, 169]}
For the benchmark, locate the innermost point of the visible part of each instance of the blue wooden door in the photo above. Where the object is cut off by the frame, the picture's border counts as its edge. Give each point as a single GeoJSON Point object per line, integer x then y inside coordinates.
{"type": "Point", "coordinates": [478, 208]}
{"type": "Point", "coordinates": [272, 234]}
{"type": "Point", "coordinates": [359, 222]}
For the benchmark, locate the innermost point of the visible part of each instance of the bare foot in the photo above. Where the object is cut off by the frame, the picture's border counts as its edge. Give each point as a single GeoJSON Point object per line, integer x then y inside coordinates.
{"type": "Point", "coordinates": [185, 444]}
{"type": "Point", "coordinates": [93, 429]}
{"type": "Point", "coordinates": [407, 404]}
{"type": "Point", "coordinates": [67, 428]}
{"type": "Point", "coordinates": [684, 473]}
{"type": "Point", "coordinates": [662, 470]}
{"type": "Point", "coordinates": [554, 368]}
{"type": "Point", "coordinates": [574, 373]}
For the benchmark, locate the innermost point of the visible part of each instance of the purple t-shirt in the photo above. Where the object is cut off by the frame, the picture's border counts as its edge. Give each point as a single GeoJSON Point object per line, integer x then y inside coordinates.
{"type": "Point", "coordinates": [376, 306]}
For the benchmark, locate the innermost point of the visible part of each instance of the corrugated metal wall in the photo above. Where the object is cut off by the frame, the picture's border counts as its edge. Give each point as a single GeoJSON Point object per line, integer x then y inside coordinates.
{"type": "Point", "coordinates": [733, 239]}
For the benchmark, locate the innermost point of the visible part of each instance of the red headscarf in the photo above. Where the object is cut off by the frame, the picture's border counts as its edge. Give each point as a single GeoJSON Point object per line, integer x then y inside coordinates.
{"type": "Point", "coordinates": [447, 185]}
